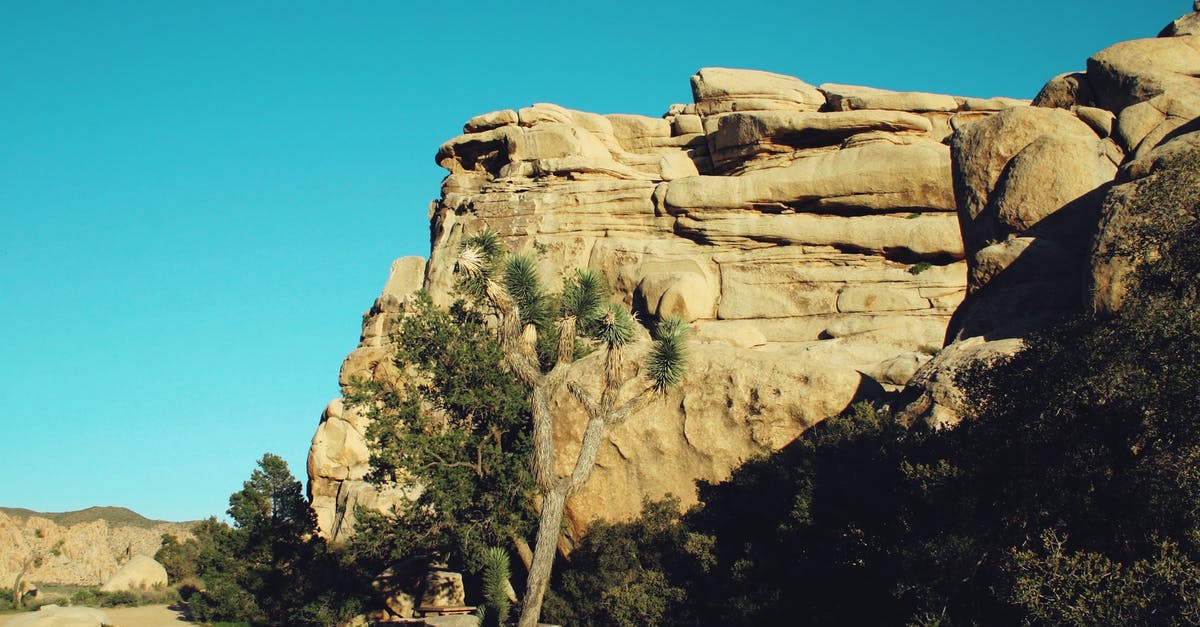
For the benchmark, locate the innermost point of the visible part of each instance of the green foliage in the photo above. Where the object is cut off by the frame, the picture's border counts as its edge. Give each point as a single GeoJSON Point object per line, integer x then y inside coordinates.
{"type": "Point", "coordinates": [496, 575]}
{"type": "Point", "coordinates": [6, 601]}
{"type": "Point", "coordinates": [478, 260]}
{"type": "Point", "coordinates": [178, 558]}
{"type": "Point", "coordinates": [584, 297]}
{"type": "Point", "coordinates": [93, 597]}
{"type": "Point", "coordinates": [620, 574]}
{"type": "Point", "coordinates": [1059, 587]}
{"type": "Point", "coordinates": [272, 502]}
{"type": "Point", "coordinates": [459, 432]}
{"type": "Point", "coordinates": [668, 356]}
{"type": "Point", "coordinates": [270, 567]}
{"type": "Point", "coordinates": [919, 267]}
{"type": "Point", "coordinates": [520, 280]}
{"type": "Point", "coordinates": [614, 326]}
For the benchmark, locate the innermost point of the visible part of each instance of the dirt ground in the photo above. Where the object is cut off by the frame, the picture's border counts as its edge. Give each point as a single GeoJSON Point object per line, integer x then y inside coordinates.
{"type": "Point", "coordinates": [145, 616]}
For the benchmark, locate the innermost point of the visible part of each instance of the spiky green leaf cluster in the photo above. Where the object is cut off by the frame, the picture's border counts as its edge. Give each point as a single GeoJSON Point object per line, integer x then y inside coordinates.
{"type": "Point", "coordinates": [478, 258]}
{"type": "Point", "coordinates": [522, 284]}
{"type": "Point", "coordinates": [614, 325]}
{"type": "Point", "coordinates": [584, 296]}
{"type": "Point", "coordinates": [668, 357]}
{"type": "Point", "coordinates": [496, 573]}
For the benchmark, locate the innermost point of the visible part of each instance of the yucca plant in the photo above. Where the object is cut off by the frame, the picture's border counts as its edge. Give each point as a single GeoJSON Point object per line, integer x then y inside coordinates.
{"type": "Point", "coordinates": [541, 335]}
{"type": "Point", "coordinates": [496, 574]}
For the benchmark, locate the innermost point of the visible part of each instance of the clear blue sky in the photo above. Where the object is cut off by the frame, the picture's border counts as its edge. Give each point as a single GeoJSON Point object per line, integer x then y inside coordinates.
{"type": "Point", "coordinates": [199, 199]}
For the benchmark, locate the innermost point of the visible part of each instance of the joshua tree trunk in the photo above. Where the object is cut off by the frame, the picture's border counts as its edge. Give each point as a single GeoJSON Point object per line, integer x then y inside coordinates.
{"type": "Point", "coordinates": [17, 596]}
{"type": "Point", "coordinates": [555, 493]}
{"type": "Point", "coordinates": [582, 303]}
{"type": "Point", "coordinates": [549, 527]}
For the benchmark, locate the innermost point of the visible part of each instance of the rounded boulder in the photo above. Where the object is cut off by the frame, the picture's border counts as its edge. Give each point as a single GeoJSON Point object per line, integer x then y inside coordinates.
{"type": "Point", "coordinates": [139, 573]}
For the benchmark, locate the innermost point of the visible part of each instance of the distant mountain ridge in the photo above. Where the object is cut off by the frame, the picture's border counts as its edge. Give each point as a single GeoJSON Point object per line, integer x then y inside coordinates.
{"type": "Point", "coordinates": [115, 516]}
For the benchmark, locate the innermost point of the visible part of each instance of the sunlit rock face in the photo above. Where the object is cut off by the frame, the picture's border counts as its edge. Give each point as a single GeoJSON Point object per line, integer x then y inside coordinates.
{"type": "Point", "coordinates": [80, 554]}
{"type": "Point", "coordinates": [810, 234]}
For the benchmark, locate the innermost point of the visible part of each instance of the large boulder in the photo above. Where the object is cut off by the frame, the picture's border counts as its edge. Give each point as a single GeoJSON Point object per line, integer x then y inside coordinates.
{"type": "Point", "coordinates": [720, 90]}
{"type": "Point", "coordinates": [1151, 85]}
{"type": "Point", "coordinates": [1156, 195]}
{"type": "Point", "coordinates": [878, 177]}
{"type": "Point", "coordinates": [141, 572]}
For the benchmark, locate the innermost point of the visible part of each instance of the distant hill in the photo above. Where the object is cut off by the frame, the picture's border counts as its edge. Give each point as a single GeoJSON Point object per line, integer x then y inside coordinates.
{"type": "Point", "coordinates": [115, 516]}
{"type": "Point", "coordinates": [76, 550]}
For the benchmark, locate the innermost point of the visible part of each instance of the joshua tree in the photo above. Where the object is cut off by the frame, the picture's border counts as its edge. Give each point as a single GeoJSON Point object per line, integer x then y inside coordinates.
{"type": "Point", "coordinates": [34, 560]}
{"type": "Point", "coordinates": [563, 327]}
{"type": "Point", "coordinates": [496, 587]}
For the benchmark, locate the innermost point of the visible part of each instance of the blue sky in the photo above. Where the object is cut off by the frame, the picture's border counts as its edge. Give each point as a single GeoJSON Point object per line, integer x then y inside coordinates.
{"type": "Point", "coordinates": [199, 199]}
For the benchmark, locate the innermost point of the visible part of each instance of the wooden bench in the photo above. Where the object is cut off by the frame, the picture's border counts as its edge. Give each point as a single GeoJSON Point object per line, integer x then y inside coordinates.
{"type": "Point", "coordinates": [446, 610]}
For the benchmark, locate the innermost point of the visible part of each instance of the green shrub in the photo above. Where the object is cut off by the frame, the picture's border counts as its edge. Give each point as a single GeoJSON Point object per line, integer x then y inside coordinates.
{"type": "Point", "coordinates": [919, 267]}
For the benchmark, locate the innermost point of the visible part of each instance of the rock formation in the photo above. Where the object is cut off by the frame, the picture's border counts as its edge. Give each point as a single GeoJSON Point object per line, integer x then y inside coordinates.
{"type": "Point", "coordinates": [808, 234]}
{"type": "Point", "coordinates": [820, 240]}
{"type": "Point", "coordinates": [83, 554]}
{"type": "Point", "coordinates": [1059, 202]}
{"type": "Point", "coordinates": [141, 572]}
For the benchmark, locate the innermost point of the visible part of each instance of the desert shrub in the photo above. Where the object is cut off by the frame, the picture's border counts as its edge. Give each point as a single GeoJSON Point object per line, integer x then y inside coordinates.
{"type": "Point", "coordinates": [470, 456]}
{"type": "Point", "coordinates": [632, 573]}
{"type": "Point", "coordinates": [122, 598]}
{"type": "Point", "coordinates": [919, 267]}
{"type": "Point", "coordinates": [178, 558]}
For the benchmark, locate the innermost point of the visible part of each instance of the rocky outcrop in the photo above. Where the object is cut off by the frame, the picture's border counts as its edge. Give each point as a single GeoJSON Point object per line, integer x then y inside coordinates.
{"type": "Point", "coordinates": [1154, 196]}
{"type": "Point", "coordinates": [83, 554]}
{"type": "Point", "coordinates": [827, 243]}
{"type": "Point", "coordinates": [809, 234]}
{"type": "Point", "coordinates": [1059, 202]}
{"type": "Point", "coordinates": [141, 572]}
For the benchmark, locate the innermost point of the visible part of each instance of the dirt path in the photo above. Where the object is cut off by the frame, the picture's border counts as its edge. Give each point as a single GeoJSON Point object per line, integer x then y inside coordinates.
{"type": "Point", "coordinates": [145, 616]}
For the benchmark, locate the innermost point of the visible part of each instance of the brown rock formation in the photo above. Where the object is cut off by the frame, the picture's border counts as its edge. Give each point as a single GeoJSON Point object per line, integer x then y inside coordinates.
{"type": "Point", "coordinates": [784, 221]}
{"type": "Point", "coordinates": [83, 554]}
{"type": "Point", "coordinates": [790, 224]}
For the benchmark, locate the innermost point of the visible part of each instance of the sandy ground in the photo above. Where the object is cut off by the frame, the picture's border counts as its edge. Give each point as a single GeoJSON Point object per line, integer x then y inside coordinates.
{"type": "Point", "coordinates": [145, 616]}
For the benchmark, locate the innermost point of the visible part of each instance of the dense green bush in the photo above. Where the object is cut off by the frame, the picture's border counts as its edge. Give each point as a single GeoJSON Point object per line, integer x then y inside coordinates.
{"type": "Point", "coordinates": [178, 558]}
{"type": "Point", "coordinates": [460, 431]}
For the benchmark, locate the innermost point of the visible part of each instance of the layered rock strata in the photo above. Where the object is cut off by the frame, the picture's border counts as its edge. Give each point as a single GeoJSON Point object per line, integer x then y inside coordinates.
{"type": "Point", "coordinates": [809, 234]}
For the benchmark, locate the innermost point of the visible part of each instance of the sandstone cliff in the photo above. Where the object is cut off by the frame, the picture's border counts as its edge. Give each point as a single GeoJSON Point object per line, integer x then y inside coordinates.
{"type": "Point", "coordinates": [820, 240]}
{"type": "Point", "coordinates": [79, 554]}
{"type": "Point", "coordinates": [808, 233]}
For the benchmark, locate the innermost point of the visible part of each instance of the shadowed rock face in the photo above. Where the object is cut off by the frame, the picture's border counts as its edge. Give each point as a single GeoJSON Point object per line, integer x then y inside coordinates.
{"type": "Point", "coordinates": [1059, 202]}
{"type": "Point", "coordinates": [808, 234]}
